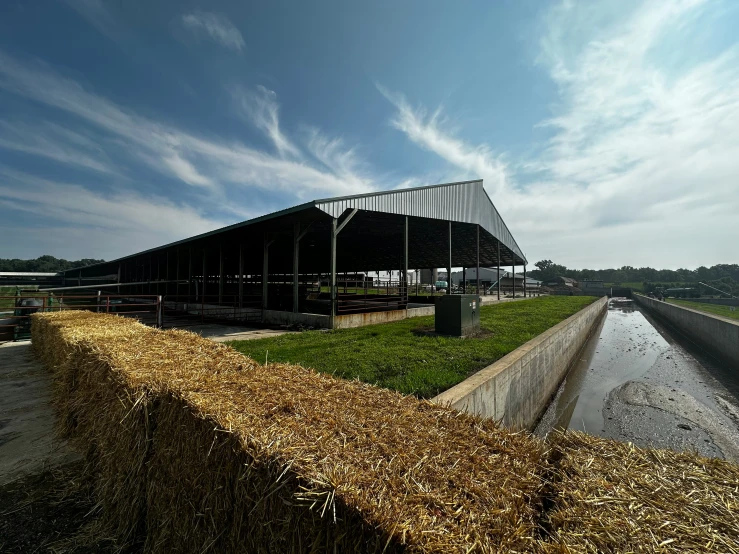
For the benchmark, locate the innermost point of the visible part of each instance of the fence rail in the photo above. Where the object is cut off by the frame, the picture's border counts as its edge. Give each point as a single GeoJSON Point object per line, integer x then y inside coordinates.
{"type": "Point", "coordinates": [15, 318]}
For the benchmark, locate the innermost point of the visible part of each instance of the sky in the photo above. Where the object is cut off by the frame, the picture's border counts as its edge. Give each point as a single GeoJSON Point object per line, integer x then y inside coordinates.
{"type": "Point", "coordinates": [606, 133]}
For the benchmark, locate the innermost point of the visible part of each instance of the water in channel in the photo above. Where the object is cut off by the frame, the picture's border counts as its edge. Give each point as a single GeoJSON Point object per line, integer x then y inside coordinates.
{"type": "Point", "coordinates": [638, 381]}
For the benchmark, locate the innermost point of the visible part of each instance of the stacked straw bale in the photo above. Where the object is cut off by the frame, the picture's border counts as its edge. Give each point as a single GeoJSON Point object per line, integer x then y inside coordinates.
{"type": "Point", "coordinates": [202, 449]}
{"type": "Point", "coordinates": [199, 449]}
{"type": "Point", "coordinates": [608, 496]}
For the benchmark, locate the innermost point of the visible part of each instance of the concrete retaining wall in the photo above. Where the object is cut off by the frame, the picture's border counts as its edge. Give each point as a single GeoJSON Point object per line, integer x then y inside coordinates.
{"type": "Point", "coordinates": [349, 321]}
{"type": "Point", "coordinates": [517, 388]}
{"type": "Point", "coordinates": [275, 317]}
{"type": "Point", "coordinates": [718, 335]}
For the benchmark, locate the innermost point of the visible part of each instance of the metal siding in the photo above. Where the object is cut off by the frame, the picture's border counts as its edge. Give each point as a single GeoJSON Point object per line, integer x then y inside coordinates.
{"type": "Point", "coordinates": [461, 202]}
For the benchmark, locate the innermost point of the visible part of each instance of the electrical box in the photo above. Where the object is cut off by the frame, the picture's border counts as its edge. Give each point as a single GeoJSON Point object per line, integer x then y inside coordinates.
{"type": "Point", "coordinates": [457, 315]}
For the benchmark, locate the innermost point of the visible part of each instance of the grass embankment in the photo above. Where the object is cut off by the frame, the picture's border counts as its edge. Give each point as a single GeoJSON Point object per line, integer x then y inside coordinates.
{"type": "Point", "coordinates": [406, 357]}
{"type": "Point", "coordinates": [627, 285]}
{"type": "Point", "coordinates": [715, 309]}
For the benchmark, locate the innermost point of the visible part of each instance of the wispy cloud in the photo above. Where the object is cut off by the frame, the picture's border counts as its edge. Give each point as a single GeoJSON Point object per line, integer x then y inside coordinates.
{"type": "Point", "coordinates": [54, 142]}
{"type": "Point", "coordinates": [427, 131]}
{"type": "Point", "coordinates": [109, 224]}
{"type": "Point", "coordinates": [642, 149]}
{"type": "Point", "coordinates": [217, 26]}
{"type": "Point", "coordinates": [208, 163]}
{"type": "Point", "coordinates": [261, 108]}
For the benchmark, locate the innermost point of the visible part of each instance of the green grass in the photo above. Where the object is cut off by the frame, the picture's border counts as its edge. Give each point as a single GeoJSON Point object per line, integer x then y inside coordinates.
{"type": "Point", "coordinates": [400, 356]}
{"type": "Point", "coordinates": [708, 308]}
{"type": "Point", "coordinates": [7, 303]}
{"type": "Point", "coordinates": [629, 285]}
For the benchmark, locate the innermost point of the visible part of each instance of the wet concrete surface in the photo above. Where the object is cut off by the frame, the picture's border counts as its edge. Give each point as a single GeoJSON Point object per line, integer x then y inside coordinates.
{"type": "Point", "coordinates": [27, 442]}
{"type": "Point", "coordinates": [638, 381]}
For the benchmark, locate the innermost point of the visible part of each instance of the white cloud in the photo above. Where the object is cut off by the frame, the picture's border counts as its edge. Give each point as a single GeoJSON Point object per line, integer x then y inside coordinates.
{"type": "Point", "coordinates": [641, 166]}
{"type": "Point", "coordinates": [53, 142]}
{"type": "Point", "coordinates": [218, 27]}
{"type": "Point", "coordinates": [110, 225]}
{"type": "Point", "coordinates": [262, 109]}
{"type": "Point", "coordinates": [208, 163]}
{"type": "Point", "coordinates": [426, 131]}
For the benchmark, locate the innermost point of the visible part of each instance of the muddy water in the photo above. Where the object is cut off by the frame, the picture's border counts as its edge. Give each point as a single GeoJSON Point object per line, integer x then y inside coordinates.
{"type": "Point", "coordinates": [637, 381]}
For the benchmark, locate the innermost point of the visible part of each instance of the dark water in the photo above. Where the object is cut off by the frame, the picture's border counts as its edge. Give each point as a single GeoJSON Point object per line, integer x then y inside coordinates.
{"type": "Point", "coordinates": [637, 380]}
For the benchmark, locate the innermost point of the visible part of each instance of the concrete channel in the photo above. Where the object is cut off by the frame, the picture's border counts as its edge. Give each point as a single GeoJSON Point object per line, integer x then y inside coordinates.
{"type": "Point", "coordinates": [639, 381]}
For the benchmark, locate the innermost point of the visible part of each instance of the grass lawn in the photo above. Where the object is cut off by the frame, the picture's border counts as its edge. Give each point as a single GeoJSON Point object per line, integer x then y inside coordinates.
{"type": "Point", "coordinates": [629, 285]}
{"type": "Point", "coordinates": [708, 308]}
{"type": "Point", "coordinates": [400, 356]}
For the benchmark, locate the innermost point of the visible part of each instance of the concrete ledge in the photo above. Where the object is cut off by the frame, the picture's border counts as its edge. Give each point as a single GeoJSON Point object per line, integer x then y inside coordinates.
{"type": "Point", "coordinates": [275, 317]}
{"type": "Point", "coordinates": [718, 335]}
{"type": "Point", "coordinates": [517, 388]}
{"type": "Point", "coordinates": [349, 321]}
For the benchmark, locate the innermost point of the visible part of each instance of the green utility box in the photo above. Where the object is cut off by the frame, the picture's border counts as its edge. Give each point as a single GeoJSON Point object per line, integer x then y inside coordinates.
{"type": "Point", "coordinates": [457, 315]}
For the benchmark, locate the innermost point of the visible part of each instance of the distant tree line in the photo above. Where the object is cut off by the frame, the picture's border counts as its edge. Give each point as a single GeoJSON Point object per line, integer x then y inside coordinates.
{"type": "Point", "coordinates": [722, 276]}
{"type": "Point", "coordinates": [44, 264]}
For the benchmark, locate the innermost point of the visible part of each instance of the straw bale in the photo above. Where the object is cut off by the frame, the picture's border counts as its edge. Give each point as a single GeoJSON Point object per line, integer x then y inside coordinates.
{"type": "Point", "coordinates": [197, 448]}
{"type": "Point", "coordinates": [243, 457]}
{"type": "Point", "coordinates": [609, 496]}
{"type": "Point", "coordinates": [100, 410]}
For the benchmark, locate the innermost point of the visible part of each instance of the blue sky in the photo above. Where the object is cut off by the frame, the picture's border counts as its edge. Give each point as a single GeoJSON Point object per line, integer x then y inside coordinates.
{"type": "Point", "coordinates": [607, 133]}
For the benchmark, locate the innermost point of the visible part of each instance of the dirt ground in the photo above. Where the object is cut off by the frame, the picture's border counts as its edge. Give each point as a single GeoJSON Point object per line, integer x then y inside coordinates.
{"type": "Point", "coordinates": [45, 502]}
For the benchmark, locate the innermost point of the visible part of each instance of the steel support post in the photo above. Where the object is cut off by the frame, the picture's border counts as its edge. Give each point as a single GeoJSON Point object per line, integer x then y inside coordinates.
{"type": "Point", "coordinates": [498, 284]}
{"type": "Point", "coordinates": [205, 274]}
{"type": "Point", "coordinates": [166, 276]}
{"type": "Point", "coordinates": [332, 280]}
{"type": "Point", "coordinates": [464, 280]}
{"type": "Point", "coordinates": [221, 276]}
{"type": "Point", "coordinates": [189, 275]}
{"type": "Point", "coordinates": [405, 261]}
{"type": "Point", "coordinates": [524, 280]}
{"type": "Point", "coordinates": [449, 264]}
{"type": "Point", "coordinates": [296, 259]}
{"type": "Point", "coordinates": [477, 267]}
{"type": "Point", "coordinates": [265, 273]}
{"type": "Point", "coordinates": [177, 275]}
{"type": "Point", "coordinates": [513, 273]}
{"type": "Point", "coordinates": [241, 276]}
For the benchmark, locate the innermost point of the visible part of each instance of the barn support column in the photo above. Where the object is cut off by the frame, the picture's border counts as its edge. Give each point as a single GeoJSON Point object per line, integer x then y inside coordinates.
{"type": "Point", "coordinates": [405, 261]}
{"type": "Point", "coordinates": [241, 276]}
{"type": "Point", "coordinates": [205, 273]}
{"type": "Point", "coordinates": [221, 276]}
{"type": "Point", "coordinates": [335, 230]}
{"type": "Point", "coordinates": [296, 259]}
{"type": "Point", "coordinates": [524, 280]}
{"type": "Point", "coordinates": [332, 278]}
{"type": "Point", "coordinates": [449, 263]}
{"type": "Point", "coordinates": [166, 284]}
{"type": "Point", "coordinates": [177, 276]}
{"type": "Point", "coordinates": [477, 270]}
{"type": "Point", "coordinates": [498, 269]}
{"type": "Point", "coordinates": [189, 275]}
{"type": "Point", "coordinates": [265, 271]}
{"type": "Point", "coordinates": [297, 236]}
{"type": "Point", "coordinates": [513, 274]}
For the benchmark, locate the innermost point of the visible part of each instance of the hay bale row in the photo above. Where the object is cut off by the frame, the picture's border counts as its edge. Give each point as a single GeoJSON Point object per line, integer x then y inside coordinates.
{"type": "Point", "coordinates": [198, 448]}
{"type": "Point", "coordinates": [609, 496]}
